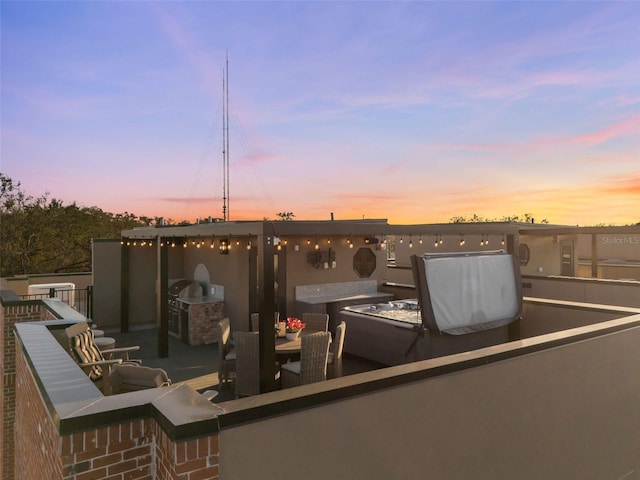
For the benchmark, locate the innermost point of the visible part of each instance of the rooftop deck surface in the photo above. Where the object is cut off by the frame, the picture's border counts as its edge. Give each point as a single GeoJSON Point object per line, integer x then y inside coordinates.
{"type": "Point", "coordinates": [197, 366]}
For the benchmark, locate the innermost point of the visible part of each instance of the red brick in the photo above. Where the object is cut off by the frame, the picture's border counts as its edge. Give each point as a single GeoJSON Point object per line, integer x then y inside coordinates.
{"type": "Point", "coordinates": [121, 446]}
{"type": "Point", "coordinates": [140, 451]}
{"type": "Point", "coordinates": [91, 453]}
{"type": "Point", "coordinates": [143, 472]}
{"type": "Point", "coordinates": [92, 474]}
{"type": "Point", "coordinates": [110, 459]}
{"type": "Point", "coordinates": [191, 465]}
{"type": "Point", "coordinates": [204, 474]}
{"type": "Point", "coordinates": [122, 467]}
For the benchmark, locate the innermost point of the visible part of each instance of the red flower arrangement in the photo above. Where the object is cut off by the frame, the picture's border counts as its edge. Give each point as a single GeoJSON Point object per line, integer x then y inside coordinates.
{"type": "Point", "coordinates": [294, 325]}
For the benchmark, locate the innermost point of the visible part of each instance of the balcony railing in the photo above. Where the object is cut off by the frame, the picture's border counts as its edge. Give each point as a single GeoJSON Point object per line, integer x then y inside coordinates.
{"type": "Point", "coordinates": [80, 299]}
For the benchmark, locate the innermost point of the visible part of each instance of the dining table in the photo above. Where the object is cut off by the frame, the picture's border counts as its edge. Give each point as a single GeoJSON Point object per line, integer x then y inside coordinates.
{"type": "Point", "coordinates": [285, 346]}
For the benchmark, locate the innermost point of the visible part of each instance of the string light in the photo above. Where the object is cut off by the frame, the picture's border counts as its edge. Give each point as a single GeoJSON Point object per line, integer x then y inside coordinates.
{"type": "Point", "coordinates": [410, 242]}
{"type": "Point", "coordinates": [462, 241]}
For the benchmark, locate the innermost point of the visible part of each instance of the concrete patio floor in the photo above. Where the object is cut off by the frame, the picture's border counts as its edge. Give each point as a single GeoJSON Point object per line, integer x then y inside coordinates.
{"type": "Point", "coordinates": [197, 366]}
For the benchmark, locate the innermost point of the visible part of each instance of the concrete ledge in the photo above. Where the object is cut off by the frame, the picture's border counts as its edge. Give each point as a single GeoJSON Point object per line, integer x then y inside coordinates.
{"type": "Point", "coordinates": [75, 403]}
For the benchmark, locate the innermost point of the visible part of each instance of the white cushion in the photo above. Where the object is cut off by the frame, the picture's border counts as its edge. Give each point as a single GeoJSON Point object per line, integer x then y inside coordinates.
{"type": "Point", "coordinates": [293, 367]}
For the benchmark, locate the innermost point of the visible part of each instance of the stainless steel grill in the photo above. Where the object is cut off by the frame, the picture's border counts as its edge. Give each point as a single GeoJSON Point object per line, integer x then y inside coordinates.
{"type": "Point", "coordinates": [178, 312]}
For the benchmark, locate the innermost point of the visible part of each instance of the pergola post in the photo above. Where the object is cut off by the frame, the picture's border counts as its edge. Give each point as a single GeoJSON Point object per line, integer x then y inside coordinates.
{"type": "Point", "coordinates": [266, 300]}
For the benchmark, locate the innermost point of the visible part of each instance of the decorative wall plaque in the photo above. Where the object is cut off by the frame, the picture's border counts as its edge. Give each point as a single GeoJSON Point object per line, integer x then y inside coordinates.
{"type": "Point", "coordinates": [364, 262]}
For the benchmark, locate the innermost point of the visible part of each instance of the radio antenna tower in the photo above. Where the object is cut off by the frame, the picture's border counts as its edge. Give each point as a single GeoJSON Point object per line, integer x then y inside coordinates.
{"type": "Point", "coordinates": [225, 141]}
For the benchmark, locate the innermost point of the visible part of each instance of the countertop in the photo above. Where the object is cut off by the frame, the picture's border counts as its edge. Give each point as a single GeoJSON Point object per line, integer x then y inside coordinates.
{"type": "Point", "coordinates": [200, 300]}
{"type": "Point", "coordinates": [342, 298]}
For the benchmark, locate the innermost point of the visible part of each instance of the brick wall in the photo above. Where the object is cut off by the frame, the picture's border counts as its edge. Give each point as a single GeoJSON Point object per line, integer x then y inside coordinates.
{"type": "Point", "coordinates": [127, 450]}
{"type": "Point", "coordinates": [194, 459]}
{"type": "Point", "coordinates": [36, 438]}
{"type": "Point", "coordinates": [9, 316]}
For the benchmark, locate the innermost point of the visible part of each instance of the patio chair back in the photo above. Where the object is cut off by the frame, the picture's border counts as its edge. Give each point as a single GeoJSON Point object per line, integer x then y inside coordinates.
{"type": "Point", "coordinates": [335, 350]}
{"type": "Point", "coordinates": [84, 350]}
{"type": "Point", "coordinates": [247, 363]}
{"type": "Point", "coordinates": [314, 352]}
{"type": "Point", "coordinates": [315, 322]}
{"type": "Point", "coordinates": [226, 355]}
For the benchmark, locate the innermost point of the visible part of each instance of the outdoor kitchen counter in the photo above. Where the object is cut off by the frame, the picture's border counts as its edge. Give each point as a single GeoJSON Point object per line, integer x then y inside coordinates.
{"type": "Point", "coordinates": [200, 300]}
{"type": "Point", "coordinates": [199, 317]}
{"type": "Point", "coordinates": [347, 298]}
{"type": "Point", "coordinates": [332, 304]}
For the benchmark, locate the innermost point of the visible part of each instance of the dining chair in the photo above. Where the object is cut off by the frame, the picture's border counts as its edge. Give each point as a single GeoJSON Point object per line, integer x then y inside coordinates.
{"type": "Point", "coordinates": [226, 353]}
{"type": "Point", "coordinates": [247, 363]}
{"type": "Point", "coordinates": [315, 322]}
{"type": "Point", "coordinates": [335, 351]}
{"type": "Point", "coordinates": [312, 366]}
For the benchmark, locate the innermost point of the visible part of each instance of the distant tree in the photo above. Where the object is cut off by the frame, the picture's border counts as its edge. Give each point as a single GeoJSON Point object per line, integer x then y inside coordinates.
{"type": "Point", "coordinates": [475, 218]}
{"type": "Point", "coordinates": [285, 216]}
{"type": "Point", "coordinates": [43, 235]}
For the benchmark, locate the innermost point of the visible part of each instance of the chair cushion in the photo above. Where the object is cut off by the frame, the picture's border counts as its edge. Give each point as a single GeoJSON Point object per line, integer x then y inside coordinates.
{"type": "Point", "coordinates": [293, 367]}
{"type": "Point", "coordinates": [129, 378]}
{"type": "Point", "coordinates": [231, 355]}
{"type": "Point", "coordinates": [85, 350]}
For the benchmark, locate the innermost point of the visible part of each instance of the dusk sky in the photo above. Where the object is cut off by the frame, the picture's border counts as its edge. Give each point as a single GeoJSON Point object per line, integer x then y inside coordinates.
{"type": "Point", "coordinates": [415, 112]}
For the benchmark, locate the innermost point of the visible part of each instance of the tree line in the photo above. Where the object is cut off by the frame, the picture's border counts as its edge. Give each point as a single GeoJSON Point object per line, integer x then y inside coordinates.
{"type": "Point", "coordinates": [43, 235]}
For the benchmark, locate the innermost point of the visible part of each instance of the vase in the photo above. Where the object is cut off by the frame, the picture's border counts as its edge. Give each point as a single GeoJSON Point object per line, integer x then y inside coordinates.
{"type": "Point", "coordinates": [292, 336]}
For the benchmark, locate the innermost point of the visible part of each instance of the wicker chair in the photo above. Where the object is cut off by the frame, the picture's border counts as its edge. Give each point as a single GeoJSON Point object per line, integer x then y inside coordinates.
{"type": "Point", "coordinates": [247, 363]}
{"type": "Point", "coordinates": [316, 322]}
{"type": "Point", "coordinates": [335, 351]}
{"type": "Point", "coordinates": [312, 366]}
{"type": "Point", "coordinates": [226, 353]}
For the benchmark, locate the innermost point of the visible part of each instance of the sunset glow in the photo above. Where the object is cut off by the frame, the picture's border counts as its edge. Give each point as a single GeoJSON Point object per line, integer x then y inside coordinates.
{"type": "Point", "coordinates": [415, 112]}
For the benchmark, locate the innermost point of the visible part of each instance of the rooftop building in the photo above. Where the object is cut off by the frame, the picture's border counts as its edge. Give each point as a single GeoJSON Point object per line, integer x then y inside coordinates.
{"type": "Point", "coordinates": [556, 400]}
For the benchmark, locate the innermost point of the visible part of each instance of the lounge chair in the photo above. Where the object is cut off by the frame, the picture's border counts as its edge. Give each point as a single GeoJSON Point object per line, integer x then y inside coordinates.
{"type": "Point", "coordinates": [125, 378]}
{"type": "Point", "coordinates": [95, 362]}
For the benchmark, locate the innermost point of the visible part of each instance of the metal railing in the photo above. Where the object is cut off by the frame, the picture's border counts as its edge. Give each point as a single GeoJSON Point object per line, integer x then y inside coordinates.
{"type": "Point", "coordinates": [80, 299]}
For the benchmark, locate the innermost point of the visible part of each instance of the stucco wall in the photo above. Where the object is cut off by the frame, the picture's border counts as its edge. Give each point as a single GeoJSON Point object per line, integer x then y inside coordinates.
{"type": "Point", "coordinates": [301, 272]}
{"type": "Point", "coordinates": [568, 412]}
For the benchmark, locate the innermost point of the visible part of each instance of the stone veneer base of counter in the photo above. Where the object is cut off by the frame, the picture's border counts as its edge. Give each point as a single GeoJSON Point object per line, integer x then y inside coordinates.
{"type": "Point", "coordinates": [204, 315]}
